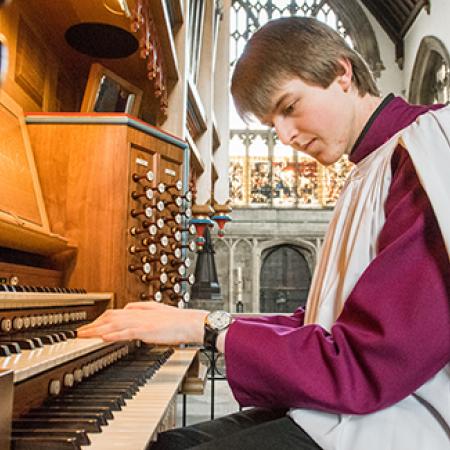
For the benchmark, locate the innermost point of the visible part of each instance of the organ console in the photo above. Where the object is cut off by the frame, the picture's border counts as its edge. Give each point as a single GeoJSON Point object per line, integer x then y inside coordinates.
{"type": "Point", "coordinates": [94, 213]}
{"type": "Point", "coordinates": [74, 393]}
{"type": "Point", "coordinates": [105, 234]}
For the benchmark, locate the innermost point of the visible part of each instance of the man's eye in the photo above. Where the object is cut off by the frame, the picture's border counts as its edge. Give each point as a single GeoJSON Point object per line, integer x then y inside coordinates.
{"type": "Point", "coordinates": [289, 109]}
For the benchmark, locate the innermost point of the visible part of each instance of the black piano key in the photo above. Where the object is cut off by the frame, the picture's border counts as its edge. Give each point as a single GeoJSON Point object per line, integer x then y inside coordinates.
{"type": "Point", "coordinates": [23, 343]}
{"type": "Point", "coordinates": [144, 367]}
{"type": "Point", "coordinates": [47, 339]}
{"type": "Point", "coordinates": [76, 423]}
{"type": "Point", "coordinates": [62, 336]}
{"type": "Point", "coordinates": [106, 378]}
{"type": "Point", "coordinates": [12, 346]}
{"type": "Point", "coordinates": [56, 337]}
{"type": "Point", "coordinates": [100, 409]}
{"type": "Point", "coordinates": [70, 334]}
{"type": "Point", "coordinates": [85, 395]}
{"type": "Point", "coordinates": [115, 404]}
{"type": "Point", "coordinates": [35, 339]}
{"type": "Point", "coordinates": [102, 390]}
{"type": "Point", "coordinates": [44, 443]}
{"type": "Point", "coordinates": [4, 350]}
{"type": "Point", "coordinates": [80, 435]}
{"type": "Point", "coordinates": [44, 415]}
{"type": "Point", "coordinates": [118, 384]}
{"type": "Point", "coordinates": [129, 388]}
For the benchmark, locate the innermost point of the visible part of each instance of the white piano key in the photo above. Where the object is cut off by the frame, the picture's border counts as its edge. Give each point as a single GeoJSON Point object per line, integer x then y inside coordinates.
{"type": "Point", "coordinates": [137, 423]}
{"type": "Point", "coordinates": [32, 362]}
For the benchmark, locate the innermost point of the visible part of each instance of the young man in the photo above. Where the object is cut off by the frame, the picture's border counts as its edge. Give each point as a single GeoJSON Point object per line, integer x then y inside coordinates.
{"type": "Point", "coordinates": [367, 365]}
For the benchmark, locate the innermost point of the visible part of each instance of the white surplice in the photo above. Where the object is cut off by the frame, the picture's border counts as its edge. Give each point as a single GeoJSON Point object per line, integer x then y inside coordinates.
{"type": "Point", "coordinates": [420, 421]}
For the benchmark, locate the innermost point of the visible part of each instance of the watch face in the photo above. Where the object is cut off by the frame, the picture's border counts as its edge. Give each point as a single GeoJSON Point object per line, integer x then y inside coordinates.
{"type": "Point", "coordinates": [219, 320]}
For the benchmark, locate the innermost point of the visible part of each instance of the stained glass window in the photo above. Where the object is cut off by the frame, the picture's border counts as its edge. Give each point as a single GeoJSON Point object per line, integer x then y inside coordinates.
{"type": "Point", "coordinates": [263, 172]}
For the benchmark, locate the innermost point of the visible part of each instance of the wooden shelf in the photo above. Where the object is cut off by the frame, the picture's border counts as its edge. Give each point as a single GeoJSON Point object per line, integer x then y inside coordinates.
{"type": "Point", "coordinates": [22, 235]}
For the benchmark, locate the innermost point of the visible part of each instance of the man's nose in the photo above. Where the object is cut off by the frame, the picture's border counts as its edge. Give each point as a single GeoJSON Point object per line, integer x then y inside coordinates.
{"type": "Point", "coordinates": [285, 130]}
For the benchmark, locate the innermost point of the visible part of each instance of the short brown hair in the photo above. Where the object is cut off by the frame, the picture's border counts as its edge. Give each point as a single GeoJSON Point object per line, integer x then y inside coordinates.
{"type": "Point", "coordinates": [290, 47]}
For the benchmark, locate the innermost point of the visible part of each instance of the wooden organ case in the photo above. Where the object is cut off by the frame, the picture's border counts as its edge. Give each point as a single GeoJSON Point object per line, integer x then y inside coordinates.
{"type": "Point", "coordinates": [110, 211]}
{"type": "Point", "coordinates": [94, 212]}
{"type": "Point", "coordinates": [132, 241]}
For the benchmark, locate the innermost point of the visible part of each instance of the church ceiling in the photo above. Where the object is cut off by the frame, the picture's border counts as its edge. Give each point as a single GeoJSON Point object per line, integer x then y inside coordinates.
{"type": "Point", "coordinates": [396, 17]}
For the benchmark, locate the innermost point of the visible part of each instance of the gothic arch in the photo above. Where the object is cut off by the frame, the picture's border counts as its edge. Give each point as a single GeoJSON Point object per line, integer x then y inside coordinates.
{"type": "Point", "coordinates": [284, 278]}
{"type": "Point", "coordinates": [358, 26]}
{"type": "Point", "coordinates": [356, 22]}
{"type": "Point", "coordinates": [308, 249]}
{"type": "Point", "coordinates": [421, 80]}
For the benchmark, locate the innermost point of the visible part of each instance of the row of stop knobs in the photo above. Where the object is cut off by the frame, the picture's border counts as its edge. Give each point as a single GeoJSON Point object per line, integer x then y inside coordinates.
{"type": "Point", "coordinates": [159, 250]}
{"type": "Point", "coordinates": [80, 373]}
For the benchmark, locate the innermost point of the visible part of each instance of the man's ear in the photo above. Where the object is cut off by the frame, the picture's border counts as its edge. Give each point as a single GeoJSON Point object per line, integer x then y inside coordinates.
{"type": "Point", "coordinates": [345, 78]}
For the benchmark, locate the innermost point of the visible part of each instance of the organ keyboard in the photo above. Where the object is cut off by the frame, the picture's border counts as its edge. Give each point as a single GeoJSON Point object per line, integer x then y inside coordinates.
{"type": "Point", "coordinates": [73, 394]}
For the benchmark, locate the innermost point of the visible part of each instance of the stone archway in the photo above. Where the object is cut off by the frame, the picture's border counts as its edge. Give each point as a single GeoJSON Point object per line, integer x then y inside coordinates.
{"type": "Point", "coordinates": [285, 278]}
{"type": "Point", "coordinates": [432, 52]}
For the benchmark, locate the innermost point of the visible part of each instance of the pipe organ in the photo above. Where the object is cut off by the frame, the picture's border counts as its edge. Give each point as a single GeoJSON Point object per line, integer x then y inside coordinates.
{"type": "Point", "coordinates": [95, 209]}
{"type": "Point", "coordinates": [111, 197]}
{"type": "Point", "coordinates": [135, 241]}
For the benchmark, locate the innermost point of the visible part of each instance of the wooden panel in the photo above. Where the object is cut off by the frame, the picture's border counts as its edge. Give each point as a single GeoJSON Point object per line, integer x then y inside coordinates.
{"type": "Point", "coordinates": [141, 161]}
{"type": "Point", "coordinates": [17, 183]}
{"type": "Point", "coordinates": [86, 174]}
{"type": "Point", "coordinates": [31, 276]}
{"type": "Point", "coordinates": [31, 63]}
{"type": "Point", "coordinates": [67, 97]}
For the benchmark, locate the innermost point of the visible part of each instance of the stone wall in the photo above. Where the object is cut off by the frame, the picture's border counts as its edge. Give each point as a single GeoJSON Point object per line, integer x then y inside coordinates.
{"type": "Point", "coordinates": [250, 233]}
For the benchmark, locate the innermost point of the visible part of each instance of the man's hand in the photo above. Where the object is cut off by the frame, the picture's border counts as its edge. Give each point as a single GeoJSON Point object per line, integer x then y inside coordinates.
{"type": "Point", "coordinates": [150, 322]}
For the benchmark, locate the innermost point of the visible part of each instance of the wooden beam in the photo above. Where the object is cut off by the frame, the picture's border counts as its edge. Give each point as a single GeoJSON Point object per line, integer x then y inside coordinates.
{"type": "Point", "coordinates": [412, 16]}
{"type": "Point", "coordinates": [380, 16]}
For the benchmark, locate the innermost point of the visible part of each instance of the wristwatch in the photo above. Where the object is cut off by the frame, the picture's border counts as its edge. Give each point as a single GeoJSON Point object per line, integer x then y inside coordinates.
{"type": "Point", "coordinates": [215, 323]}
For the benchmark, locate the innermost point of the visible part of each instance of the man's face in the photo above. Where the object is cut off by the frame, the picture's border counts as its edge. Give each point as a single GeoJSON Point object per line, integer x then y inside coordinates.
{"type": "Point", "coordinates": [314, 120]}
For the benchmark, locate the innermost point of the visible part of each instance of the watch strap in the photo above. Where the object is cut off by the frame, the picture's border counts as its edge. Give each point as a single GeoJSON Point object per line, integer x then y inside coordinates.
{"type": "Point", "coordinates": [210, 339]}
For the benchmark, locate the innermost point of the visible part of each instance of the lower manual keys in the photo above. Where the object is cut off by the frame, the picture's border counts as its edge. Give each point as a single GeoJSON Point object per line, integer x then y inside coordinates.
{"type": "Point", "coordinates": [31, 442]}
{"type": "Point", "coordinates": [113, 403]}
{"type": "Point", "coordinates": [80, 436]}
{"type": "Point", "coordinates": [90, 425]}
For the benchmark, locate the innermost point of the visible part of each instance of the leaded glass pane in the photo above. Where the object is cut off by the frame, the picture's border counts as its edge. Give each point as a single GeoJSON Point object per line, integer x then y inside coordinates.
{"type": "Point", "coordinates": [307, 182]}
{"type": "Point", "coordinates": [334, 179]}
{"type": "Point", "coordinates": [236, 174]}
{"type": "Point", "coordinates": [283, 176]}
{"type": "Point", "coordinates": [259, 165]}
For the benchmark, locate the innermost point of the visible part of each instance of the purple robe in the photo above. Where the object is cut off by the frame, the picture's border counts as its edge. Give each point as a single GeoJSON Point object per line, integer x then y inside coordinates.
{"type": "Point", "coordinates": [394, 331]}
